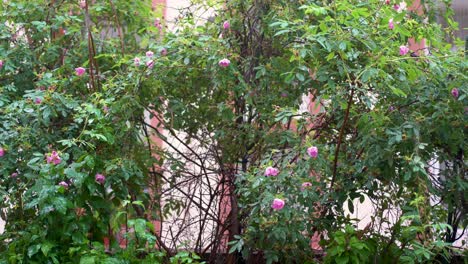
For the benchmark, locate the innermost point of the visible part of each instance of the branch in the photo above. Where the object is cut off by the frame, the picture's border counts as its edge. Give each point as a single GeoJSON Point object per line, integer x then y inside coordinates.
{"type": "Point", "coordinates": [340, 138]}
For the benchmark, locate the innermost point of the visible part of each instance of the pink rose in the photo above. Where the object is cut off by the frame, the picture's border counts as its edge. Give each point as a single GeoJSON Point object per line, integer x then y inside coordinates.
{"type": "Point", "coordinates": [2, 152]}
{"type": "Point", "coordinates": [313, 152]}
{"type": "Point", "coordinates": [150, 64]}
{"type": "Point", "coordinates": [387, 2]}
{"type": "Point", "coordinates": [270, 171]}
{"type": "Point", "coordinates": [63, 184]}
{"type": "Point", "coordinates": [37, 100]}
{"type": "Point", "coordinates": [404, 50]}
{"type": "Point", "coordinates": [224, 63]}
{"type": "Point", "coordinates": [149, 54]}
{"type": "Point", "coordinates": [136, 61]}
{"type": "Point", "coordinates": [157, 23]}
{"type": "Point", "coordinates": [305, 185]}
{"type": "Point", "coordinates": [455, 93]}
{"type": "Point", "coordinates": [163, 52]}
{"type": "Point", "coordinates": [226, 25]}
{"type": "Point", "coordinates": [1, 64]}
{"type": "Point", "coordinates": [277, 204]}
{"type": "Point", "coordinates": [390, 24]}
{"type": "Point", "coordinates": [54, 158]}
{"type": "Point", "coordinates": [100, 178]}
{"type": "Point", "coordinates": [83, 4]}
{"type": "Point", "coordinates": [14, 175]}
{"type": "Point", "coordinates": [80, 71]}
{"type": "Point", "coordinates": [400, 7]}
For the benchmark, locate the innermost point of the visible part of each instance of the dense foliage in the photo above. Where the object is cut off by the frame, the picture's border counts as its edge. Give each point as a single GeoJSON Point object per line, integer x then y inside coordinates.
{"type": "Point", "coordinates": [73, 162]}
{"type": "Point", "coordinates": [79, 80]}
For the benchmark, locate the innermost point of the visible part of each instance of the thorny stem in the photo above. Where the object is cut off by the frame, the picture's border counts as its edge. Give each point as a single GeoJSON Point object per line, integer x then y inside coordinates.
{"type": "Point", "coordinates": [340, 138]}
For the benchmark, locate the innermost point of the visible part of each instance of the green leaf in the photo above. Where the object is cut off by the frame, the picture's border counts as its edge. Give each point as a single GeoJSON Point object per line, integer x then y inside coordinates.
{"type": "Point", "coordinates": [343, 259]}
{"type": "Point", "coordinates": [398, 91]}
{"type": "Point", "coordinates": [88, 260]}
{"type": "Point", "coordinates": [282, 32]}
{"type": "Point", "coordinates": [330, 56]}
{"type": "Point", "coordinates": [361, 198]}
{"type": "Point", "coordinates": [46, 247]}
{"type": "Point", "coordinates": [300, 77]}
{"type": "Point", "coordinates": [32, 250]}
{"type": "Point", "coordinates": [342, 46]}
{"type": "Point", "coordinates": [233, 249]}
{"type": "Point", "coordinates": [60, 204]}
{"type": "Point", "coordinates": [350, 206]}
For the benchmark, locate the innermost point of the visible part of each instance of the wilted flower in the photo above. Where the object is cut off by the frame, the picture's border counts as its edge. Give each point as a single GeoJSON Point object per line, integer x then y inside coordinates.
{"type": "Point", "coordinates": [163, 52]}
{"type": "Point", "coordinates": [277, 204]}
{"type": "Point", "coordinates": [14, 175]}
{"type": "Point", "coordinates": [270, 171]}
{"type": "Point", "coordinates": [37, 100]}
{"type": "Point", "coordinates": [79, 211]}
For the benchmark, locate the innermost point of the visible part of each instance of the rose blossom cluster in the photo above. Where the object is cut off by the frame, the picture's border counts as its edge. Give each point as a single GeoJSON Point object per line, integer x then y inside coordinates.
{"type": "Point", "coordinates": [54, 158]}
{"type": "Point", "coordinates": [270, 171]}
{"type": "Point", "coordinates": [278, 203]}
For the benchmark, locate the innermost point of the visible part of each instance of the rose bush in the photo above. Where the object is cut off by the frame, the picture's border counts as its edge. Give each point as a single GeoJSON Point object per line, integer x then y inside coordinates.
{"type": "Point", "coordinates": [73, 162]}
{"type": "Point", "coordinates": [76, 153]}
{"type": "Point", "coordinates": [386, 118]}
